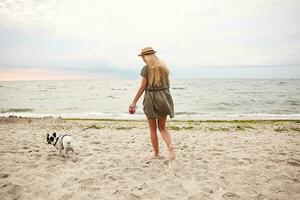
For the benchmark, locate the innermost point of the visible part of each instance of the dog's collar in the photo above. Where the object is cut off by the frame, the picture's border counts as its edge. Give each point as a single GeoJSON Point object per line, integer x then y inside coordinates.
{"type": "Point", "coordinates": [61, 139]}
{"type": "Point", "coordinates": [56, 140]}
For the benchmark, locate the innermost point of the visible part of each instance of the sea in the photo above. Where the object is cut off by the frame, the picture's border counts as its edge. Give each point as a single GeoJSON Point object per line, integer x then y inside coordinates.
{"type": "Point", "coordinates": [203, 99]}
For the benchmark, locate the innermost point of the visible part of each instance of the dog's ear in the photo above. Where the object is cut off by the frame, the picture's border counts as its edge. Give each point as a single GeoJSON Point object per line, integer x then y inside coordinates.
{"type": "Point", "coordinates": [47, 136]}
{"type": "Point", "coordinates": [54, 134]}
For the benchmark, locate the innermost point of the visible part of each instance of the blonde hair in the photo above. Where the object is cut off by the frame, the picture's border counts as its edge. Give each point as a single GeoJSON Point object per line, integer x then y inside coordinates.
{"type": "Point", "coordinates": [158, 70]}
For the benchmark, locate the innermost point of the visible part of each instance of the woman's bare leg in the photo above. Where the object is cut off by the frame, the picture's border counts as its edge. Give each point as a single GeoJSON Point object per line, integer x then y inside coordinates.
{"type": "Point", "coordinates": [153, 135]}
{"type": "Point", "coordinates": [166, 136]}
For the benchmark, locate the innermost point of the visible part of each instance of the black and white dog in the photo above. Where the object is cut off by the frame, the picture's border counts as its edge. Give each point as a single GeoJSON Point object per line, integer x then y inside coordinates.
{"type": "Point", "coordinates": [62, 143]}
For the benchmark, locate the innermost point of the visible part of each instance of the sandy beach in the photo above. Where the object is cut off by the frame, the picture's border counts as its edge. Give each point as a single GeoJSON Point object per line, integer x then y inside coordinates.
{"type": "Point", "coordinates": [215, 160]}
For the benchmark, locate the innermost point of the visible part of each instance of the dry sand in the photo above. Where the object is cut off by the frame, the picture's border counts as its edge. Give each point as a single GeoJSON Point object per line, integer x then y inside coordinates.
{"type": "Point", "coordinates": [215, 160]}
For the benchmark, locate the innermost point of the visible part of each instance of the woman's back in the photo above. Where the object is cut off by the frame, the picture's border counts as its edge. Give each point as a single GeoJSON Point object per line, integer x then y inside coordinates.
{"type": "Point", "coordinates": [164, 82]}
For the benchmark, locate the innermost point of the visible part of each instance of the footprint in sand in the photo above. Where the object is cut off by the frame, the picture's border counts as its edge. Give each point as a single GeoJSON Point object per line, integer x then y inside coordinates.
{"type": "Point", "coordinates": [88, 181]}
{"type": "Point", "coordinates": [68, 196]}
{"type": "Point", "coordinates": [294, 163]}
{"type": "Point", "coordinates": [4, 175]}
{"type": "Point", "coordinates": [70, 182]}
{"type": "Point", "coordinates": [52, 156]}
{"type": "Point", "coordinates": [132, 169]}
{"type": "Point", "coordinates": [90, 188]}
{"type": "Point", "coordinates": [96, 142]}
{"type": "Point", "coordinates": [230, 196]}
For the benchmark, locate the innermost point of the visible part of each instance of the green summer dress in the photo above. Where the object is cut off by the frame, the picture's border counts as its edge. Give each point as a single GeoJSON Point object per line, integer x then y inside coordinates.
{"type": "Point", "coordinates": [157, 100]}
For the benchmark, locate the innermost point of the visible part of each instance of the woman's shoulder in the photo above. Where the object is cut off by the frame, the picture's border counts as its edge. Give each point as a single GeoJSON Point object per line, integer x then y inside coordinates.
{"type": "Point", "coordinates": [144, 71]}
{"type": "Point", "coordinates": [145, 67]}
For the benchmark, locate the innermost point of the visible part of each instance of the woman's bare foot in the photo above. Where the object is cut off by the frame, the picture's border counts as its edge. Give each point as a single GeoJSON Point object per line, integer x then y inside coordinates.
{"type": "Point", "coordinates": [154, 157]}
{"type": "Point", "coordinates": [171, 152]}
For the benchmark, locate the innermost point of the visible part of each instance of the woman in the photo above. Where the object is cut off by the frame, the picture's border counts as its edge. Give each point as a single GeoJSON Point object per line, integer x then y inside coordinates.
{"type": "Point", "coordinates": [158, 101]}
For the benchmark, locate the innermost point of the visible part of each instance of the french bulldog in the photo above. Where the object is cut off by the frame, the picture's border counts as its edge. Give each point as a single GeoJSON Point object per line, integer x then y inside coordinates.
{"type": "Point", "coordinates": [62, 143]}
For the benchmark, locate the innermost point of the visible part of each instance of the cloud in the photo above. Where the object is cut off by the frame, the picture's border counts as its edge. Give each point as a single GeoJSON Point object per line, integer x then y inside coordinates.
{"type": "Point", "coordinates": [187, 34]}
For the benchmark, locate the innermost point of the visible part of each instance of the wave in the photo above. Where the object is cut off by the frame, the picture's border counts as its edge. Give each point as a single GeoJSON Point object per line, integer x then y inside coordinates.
{"type": "Point", "coordinates": [111, 96]}
{"type": "Point", "coordinates": [178, 88]}
{"type": "Point", "coordinates": [118, 88]}
{"type": "Point", "coordinates": [293, 103]}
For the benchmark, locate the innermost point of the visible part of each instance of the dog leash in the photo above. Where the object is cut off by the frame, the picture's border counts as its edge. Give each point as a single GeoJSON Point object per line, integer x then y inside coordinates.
{"type": "Point", "coordinates": [93, 126]}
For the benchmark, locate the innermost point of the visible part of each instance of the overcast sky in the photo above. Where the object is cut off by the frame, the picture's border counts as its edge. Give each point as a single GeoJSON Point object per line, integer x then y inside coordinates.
{"type": "Point", "coordinates": [62, 39]}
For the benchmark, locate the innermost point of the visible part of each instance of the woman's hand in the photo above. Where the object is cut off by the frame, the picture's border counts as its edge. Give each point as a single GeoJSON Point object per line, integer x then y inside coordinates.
{"type": "Point", "coordinates": [132, 105]}
{"type": "Point", "coordinates": [132, 108]}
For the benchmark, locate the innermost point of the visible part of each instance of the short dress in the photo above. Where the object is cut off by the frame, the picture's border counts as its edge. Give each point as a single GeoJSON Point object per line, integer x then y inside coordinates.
{"type": "Point", "coordinates": [157, 100]}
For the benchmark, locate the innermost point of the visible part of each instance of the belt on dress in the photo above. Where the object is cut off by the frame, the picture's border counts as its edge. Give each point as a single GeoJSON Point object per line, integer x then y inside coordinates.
{"type": "Point", "coordinates": [157, 89]}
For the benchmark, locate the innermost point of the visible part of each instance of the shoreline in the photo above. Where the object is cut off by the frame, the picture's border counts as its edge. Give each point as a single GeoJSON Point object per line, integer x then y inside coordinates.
{"type": "Point", "coordinates": [141, 116]}
{"type": "Point", "coordinates": [169, 120]}
{"type": "Point", "coordinates": [186, 121]}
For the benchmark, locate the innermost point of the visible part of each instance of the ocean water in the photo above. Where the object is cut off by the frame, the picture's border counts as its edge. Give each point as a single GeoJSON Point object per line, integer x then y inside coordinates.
{"type": "Point", "coordinates": [193, 99]}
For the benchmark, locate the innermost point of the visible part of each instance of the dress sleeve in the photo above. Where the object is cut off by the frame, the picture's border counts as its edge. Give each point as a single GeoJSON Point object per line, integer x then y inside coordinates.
{"type": "Point", "coordinates": [144, 72]}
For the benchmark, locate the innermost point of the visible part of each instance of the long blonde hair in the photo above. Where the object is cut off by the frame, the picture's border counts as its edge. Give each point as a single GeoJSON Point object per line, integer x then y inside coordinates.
{"type": "Point", "coordinates": [158, 70]}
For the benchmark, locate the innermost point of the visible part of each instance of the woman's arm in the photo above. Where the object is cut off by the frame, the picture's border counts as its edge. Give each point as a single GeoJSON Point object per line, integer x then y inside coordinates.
{"type": "Point", "coordinates": [139, 92]}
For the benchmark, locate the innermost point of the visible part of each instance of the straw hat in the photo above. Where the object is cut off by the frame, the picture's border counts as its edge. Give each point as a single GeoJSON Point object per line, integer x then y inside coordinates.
{"type": "Point", "coordinates": [147, 50]}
